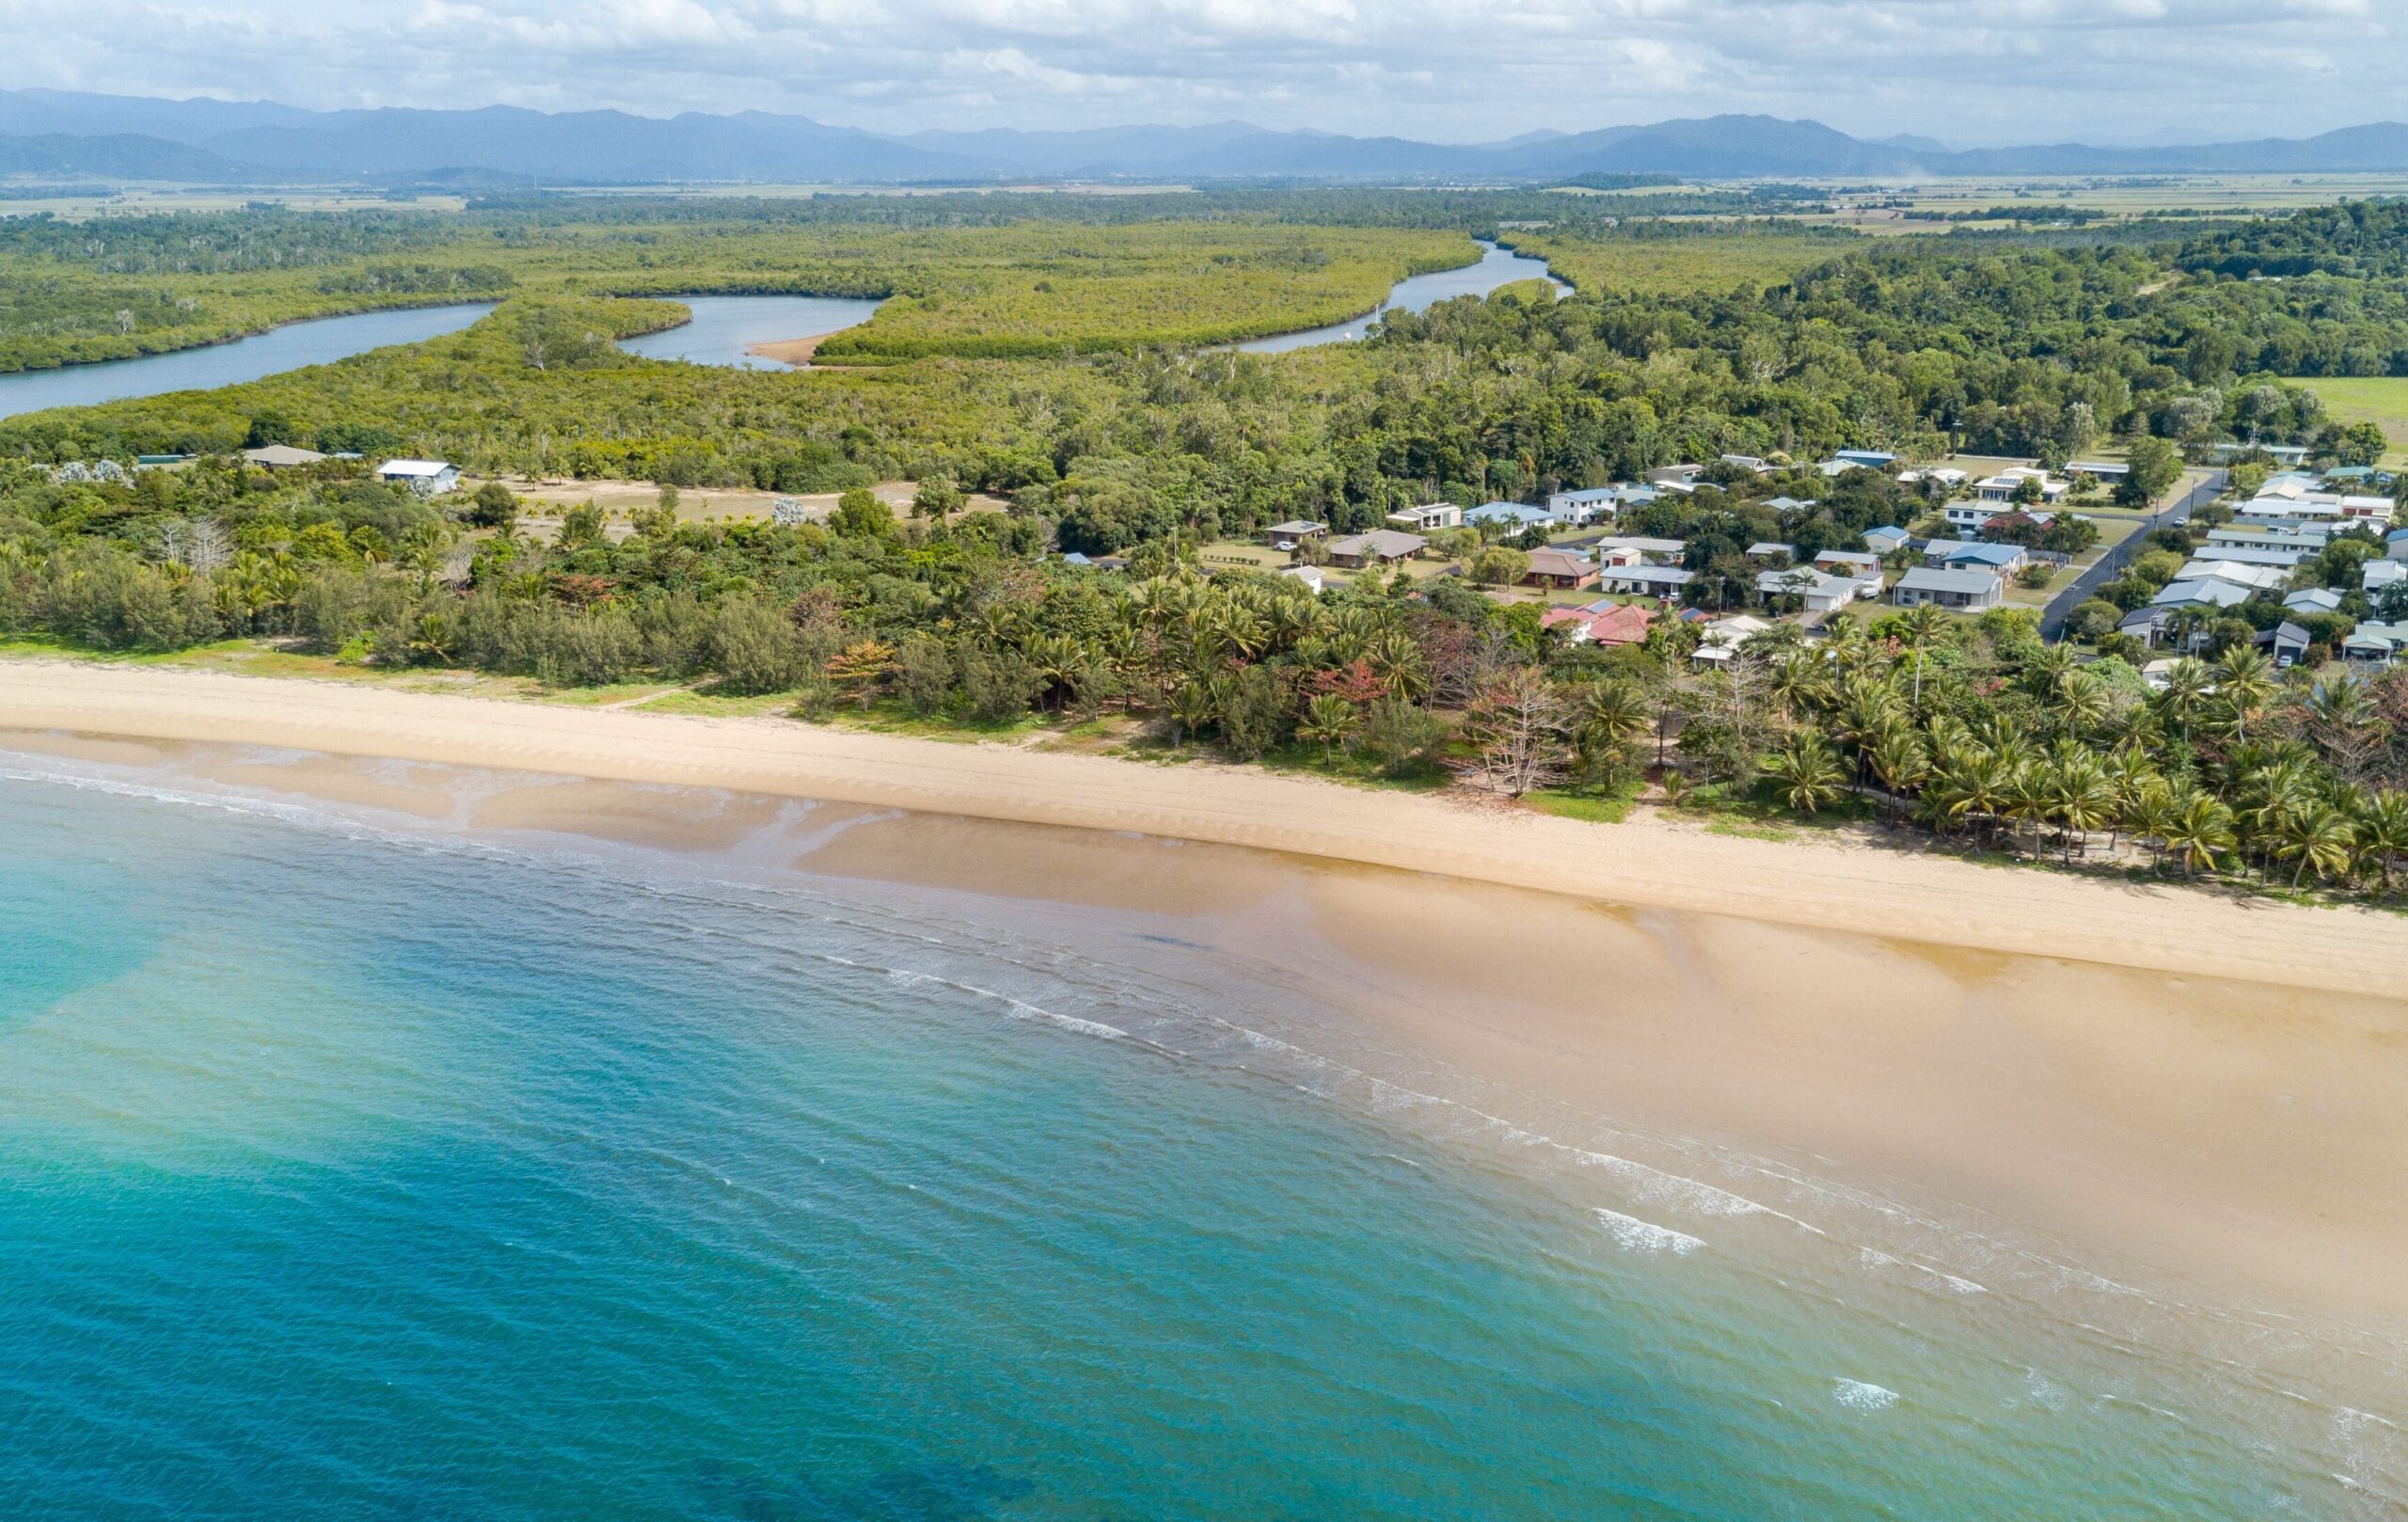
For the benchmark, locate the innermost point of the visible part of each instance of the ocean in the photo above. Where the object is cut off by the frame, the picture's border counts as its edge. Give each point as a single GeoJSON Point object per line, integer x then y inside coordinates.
{"type": "Point", "coordinates": [349, 1170]}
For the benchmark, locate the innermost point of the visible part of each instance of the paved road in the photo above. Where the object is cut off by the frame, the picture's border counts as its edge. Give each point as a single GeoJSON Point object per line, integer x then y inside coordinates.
{"type": "Point", "coordinates": [2111, 564]}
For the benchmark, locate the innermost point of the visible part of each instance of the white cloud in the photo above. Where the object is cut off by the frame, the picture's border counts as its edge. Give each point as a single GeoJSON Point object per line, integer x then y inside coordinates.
{"type": "Point", "coordinates": [1987, 70]}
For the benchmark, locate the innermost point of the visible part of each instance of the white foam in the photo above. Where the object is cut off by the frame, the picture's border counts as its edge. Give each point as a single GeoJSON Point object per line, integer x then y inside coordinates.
{"type": "Point", "coordinates": [1857, 1395]}
{"type": "Point", "coordinates": [1632, 1234]}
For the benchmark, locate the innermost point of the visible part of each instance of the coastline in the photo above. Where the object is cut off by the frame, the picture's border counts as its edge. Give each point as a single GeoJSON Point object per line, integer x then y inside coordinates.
{"type": "Point", "coordinates": [795, 351]}
{"type": "Point", "coordinates": [1814, 884]}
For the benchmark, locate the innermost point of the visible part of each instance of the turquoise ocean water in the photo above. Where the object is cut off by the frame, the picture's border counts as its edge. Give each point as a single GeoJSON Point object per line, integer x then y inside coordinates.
{"type": "Point", "coordinates": [352, 1174]}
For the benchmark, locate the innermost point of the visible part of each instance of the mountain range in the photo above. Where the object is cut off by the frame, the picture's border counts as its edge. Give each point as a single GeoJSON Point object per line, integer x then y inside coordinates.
{"type": "Point", "coordinates": [260, 143]}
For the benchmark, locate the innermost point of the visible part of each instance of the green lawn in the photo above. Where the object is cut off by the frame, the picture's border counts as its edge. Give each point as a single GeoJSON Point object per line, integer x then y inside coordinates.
{"type": "Point", "coordinates": [2381, 399]}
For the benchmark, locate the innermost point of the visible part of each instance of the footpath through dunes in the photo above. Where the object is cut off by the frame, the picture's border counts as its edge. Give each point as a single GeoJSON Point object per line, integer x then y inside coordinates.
{"type": "Point", "coordinates": [1827, 884]}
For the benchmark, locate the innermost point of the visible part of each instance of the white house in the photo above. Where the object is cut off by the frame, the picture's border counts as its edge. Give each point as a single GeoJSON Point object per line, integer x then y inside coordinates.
{"type": "Point", "coordinates": [2376, 575]}
{"type": "Point", "coordinates": [1647, 580]}
{"type": "Point", "coordinates": [1970, 590]}
{"type": "Point", "coordinates": [1583, 506]}
{"type": "Point", "coordinates": [2002, 486]}
{"type": "Point", "coordinates": [1816, 591]}
{"type": "Point", "coordinates": [1658, 551]}
{"type": "Point", "coordinates": [1426, 517]}
{"type": "Point", "coordinates": [1309, 575]}
{"type": "Point", "coordinates": [428, 478]}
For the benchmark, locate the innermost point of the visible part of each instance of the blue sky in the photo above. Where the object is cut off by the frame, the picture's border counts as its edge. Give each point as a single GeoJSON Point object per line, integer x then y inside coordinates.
{"type": "Point", "coordinates": [1967, 71]}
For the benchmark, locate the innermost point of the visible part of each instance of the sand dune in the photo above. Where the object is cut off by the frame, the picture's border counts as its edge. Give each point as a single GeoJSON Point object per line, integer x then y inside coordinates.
{"type": "Point", "coordinates": [1827, 884]}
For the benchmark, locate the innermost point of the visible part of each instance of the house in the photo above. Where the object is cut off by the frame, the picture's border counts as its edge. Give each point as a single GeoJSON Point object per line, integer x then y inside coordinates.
{"type": "Point", "coordinates": [2302, 539]}
{"type": "Point", "coordinates": [2373, 643]}
{"type": "Point", "coordinates": [2002, 486]}
{"type": "Point", "coordinates": [1789, 504]}
{"type": "Point", "coordinates": [1293, 533]}
{"type": "Point", "coordinates": [1309, 575]}
{"type": "Point", "coordinates": [2256, 578]}
{"type": "Point", "coordinates": [1971, 589]}
{"type": "Point", "coordinates": [1651, 552]}
{"type": "Point", "coordinates": [2285, 641]}
{"type": "Point", "coordinates": [2395, 545]}
{"type": "Point", "coordinates": [1745, 462]}
{"type": "Point", "coordinates": [1428, 517]}
{"type": "Point", "coordinates": [282, 457]}
{"type": "Point", "coordinates": [1511, 517]}
{"type": "Point", "coordinates": [1676, 475]}
{"type": "Point", "coordinates": [1870, 459]}
{"type": "Point", "coordinates": [2202, 592]}
{"type": "Point", "coordinates": [1856, 563]}
{"type": "Point", "coordinates": [1945, 475]}
{"type": "Point", "coordinates": [2257, 560]}
{"type": "Point", "coordinates": [2106, 472]}
{"type": "Point", "coordinates": [2287, 455]}
{"type": "Point", "coordinates": [1816, 591]}
{"type": "Point", "coordinates": [1609, 623]}
{"type": "Point", "coordinates": [1645, 580]}
{"type": "Point", "coordinates": [2313, 600]}
{"type": "Point", "coordinates": [2374, 575]}
{"type": "Point", "coordinates": [1381, 547]}
{"type": "Point", "coordinates": [1765, 552]}
{"type": "Point", "coordinates": [1620, 624]}
{"type": "Point", "coordinates": [1886, 540]}
{"type": "Point", "coordinates": [1999, 560]}
{"type": "Point", "coordinates": [2159, 674]}
{"type": "Point", "coordinates": [1724, 635]}
{"type": "Point", "coordinates": [2146, 625]}
{"type": "Point", "coordinates": [428, 478]}
{"type": "Point", "coordinates": [1561, 569]}
{"type": "Point", "coordinates": [1585, 505]}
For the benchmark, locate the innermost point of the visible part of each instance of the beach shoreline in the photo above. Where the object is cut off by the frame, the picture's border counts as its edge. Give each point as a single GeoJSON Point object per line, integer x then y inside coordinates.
{"type": "Point", "coordinates": [1815, 883]}
{"type": "Point", "coordinates": [2233, 1139]}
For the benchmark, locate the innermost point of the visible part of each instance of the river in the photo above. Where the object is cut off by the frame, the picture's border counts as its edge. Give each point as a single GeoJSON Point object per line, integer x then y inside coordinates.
{"type": "Point", "coordinates": [723, 328]}
{"type": "Point", "coordinates": [319, 341]}
{"type": "Point", "coordinates": [1495, 267]}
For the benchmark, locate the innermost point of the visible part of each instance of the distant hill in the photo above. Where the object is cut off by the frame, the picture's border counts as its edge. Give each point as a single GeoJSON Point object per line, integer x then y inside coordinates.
{"type": "Point", "coordinates": [259, 142]}
{"type": "Point", "coordinates": [115, 156]}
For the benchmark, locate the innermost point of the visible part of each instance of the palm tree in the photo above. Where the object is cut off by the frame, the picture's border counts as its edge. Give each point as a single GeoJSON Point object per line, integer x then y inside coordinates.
{"type": "Point", "coordinates": [2199, 829]}
{"type": "Point", "coordinates": [2381, 820]}
{"type": "Point", "coordinates": [2244, 679]}
{"type": "Point", "coordinates": [2149, 813]}
{"type": "Point", "coordinates": [1192, 707]}
{"type": "Point", "coordinates": [1922, 624]}
{"type": "Point", "coordinates": [1900, 759]}
{"type": "Point", "coordinates": [1609, 718]}
{"type": "Point", "coordinates": [2082, 703]}
{"type": "Point", "coordinates": [2189, 683]}
{"type": "Point", "coordinates": [2032, 798]}
{"type": "Point", "coordinates": [2322, 837]}
{"type": "Point", "coordinates": [1807, 773]}
{"type": "Point", "coordinates": [1327, 719]}
{"type": "Point", "coordinates": [2084, 797]}
{"type": "Point", "coordinates": [2130, 773]}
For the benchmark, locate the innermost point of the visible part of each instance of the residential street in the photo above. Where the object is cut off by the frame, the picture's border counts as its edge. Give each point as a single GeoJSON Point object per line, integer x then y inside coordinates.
{"type": "Point", "coordinates": [2110, 565]}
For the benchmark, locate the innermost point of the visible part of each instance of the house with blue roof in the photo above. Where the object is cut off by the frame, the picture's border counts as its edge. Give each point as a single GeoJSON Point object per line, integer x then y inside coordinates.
{"type": "Point", "coordinates": [2004, 560]}
{"type": "Point", "coordinates": [1870, 459]}
{"type": "Point", "coordinates": [1883, 540]}
{"type": "Point", "coordinates": [1583, 506]}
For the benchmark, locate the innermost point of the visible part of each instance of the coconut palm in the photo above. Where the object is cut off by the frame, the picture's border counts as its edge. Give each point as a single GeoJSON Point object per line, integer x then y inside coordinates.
{"type": "Point", "coordinates": [1807, 773]}
{"type": "Point", "coordinates": [2245, 680]}
{"type": "Point", "coordinates": [2032, 798]}
{"type": "Point", "coordinates": [1327, 722]}
{"type": "Point", "coordinates": [2198, 829]}
{"type": "Point", "coordinates": [2083, 702]}
{"type": "Point", "coordinates": [2320, 836]}
{"type": "Point", "coordinates": [2084, 797]}
{"type": "Point", "coordinates": [1900, 758]}
{"type": "Point", "coordinates": [1922, 624]}
{"type": "Point", "coordinates": [2188, 685]}
{"type": "Point", "coordinates": [2381, 820]}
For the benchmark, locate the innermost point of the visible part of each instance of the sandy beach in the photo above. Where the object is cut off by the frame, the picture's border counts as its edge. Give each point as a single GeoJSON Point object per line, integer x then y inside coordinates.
{"type": "Point", "coordinates": [795, 351]}
{"type": "Point", "coordinates": [1820, 884]}
{"type": "Point", "coordinates": [2209, 1093]}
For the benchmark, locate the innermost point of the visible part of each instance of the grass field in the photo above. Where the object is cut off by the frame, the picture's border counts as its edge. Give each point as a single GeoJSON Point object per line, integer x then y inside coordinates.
{"type": "Point", "coordinates": [1706, 262]}
{"type": "Point", "coordinates": [2381, 399]}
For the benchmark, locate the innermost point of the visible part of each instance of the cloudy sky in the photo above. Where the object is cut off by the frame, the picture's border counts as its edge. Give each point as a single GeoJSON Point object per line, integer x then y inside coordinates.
{"type": "Point", "coordinates": [1966, 72]}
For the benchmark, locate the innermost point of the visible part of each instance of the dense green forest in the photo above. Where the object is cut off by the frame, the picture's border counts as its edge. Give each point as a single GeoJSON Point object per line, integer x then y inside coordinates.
{"type": "Point", "coordinates": [1975, 727]}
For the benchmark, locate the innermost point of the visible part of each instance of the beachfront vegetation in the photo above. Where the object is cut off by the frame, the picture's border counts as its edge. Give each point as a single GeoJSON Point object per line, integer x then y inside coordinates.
{"type": "Point", "coordinates": [1152, 450]}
